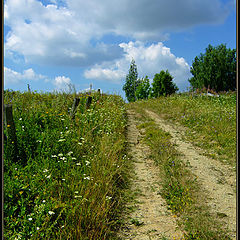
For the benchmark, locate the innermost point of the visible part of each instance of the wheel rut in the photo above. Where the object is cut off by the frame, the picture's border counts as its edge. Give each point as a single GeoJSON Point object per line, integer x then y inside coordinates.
{"type": "Point", "coordinates": [216, 179]}
{"type": "Point", "coordinates": [151, 218]}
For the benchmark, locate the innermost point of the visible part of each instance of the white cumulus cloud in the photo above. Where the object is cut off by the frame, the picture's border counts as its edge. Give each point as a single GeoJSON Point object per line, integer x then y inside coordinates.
{"type": "Point", "coordinates": [69, 32]}
{"type": "Point", "coordinates": [61, 82]}
{"type": "Point", "coordinates": [149, 60]}
{"type": "Point", "coordinates": [14, 77]}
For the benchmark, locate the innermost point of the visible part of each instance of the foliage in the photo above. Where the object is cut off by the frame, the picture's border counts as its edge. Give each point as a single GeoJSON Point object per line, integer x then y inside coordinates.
{"type": "Point", "coordinates": [143, 88]}
{"type": "Point", "coordinates": [215, 69]}
{"type": "Point", "coordinates": [163, 84]}
{"type": "Point", "coordinates": [68, 182]}
{"type": "Point", "coordinates": [131, 83]}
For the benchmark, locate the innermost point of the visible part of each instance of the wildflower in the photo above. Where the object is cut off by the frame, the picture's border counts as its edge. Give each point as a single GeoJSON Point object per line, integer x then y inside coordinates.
{"type": "Point", "coordinates": [70, 153]}
{"type": "Point", "coordinates": [39, 141]}
{"type": "Point", "coordinates": [60, 154]}
{"type": "Point", "coordinates": [108, 198]}
{"type": "Point", "coordinates": [73, 158]}
{"type": "Point", "coordinates": [78, 196]}
{"type": "Point", "coordinates": [48, 176]}
{"type": "Point", "coordinates": [51, 212]}
{"type": "Point", "coordinates": [76, 192]}
{"type": "Point", "coordinates": [30, 219]}
{"type": "Point", "coordinates": [62, 140]}
{"type": "Point", "coordinates": [54, 156]}
{"type": "Point", "coordinates": [63, 179]}
{"type": "Point", "coordinates": [87, 163]}
{"type": "Point", "coordinates": [38, 228]}
{"type": "Point", "coordinates": [62, 119]}
{"type": "Point", "coordinates": [43, 201]}
{"type": "Point", "coordinates": [62, 158]}
{"type": "Point", "coordinates": [80, 143]}
{"type": "Point", "coordinates": [20, 119]}
{"type": "Point", "coordinates": [88, 178]}
{"type": "Point", "coordinates": [78, 164]}
{"type": "Point", "coordinates": [8, 125]}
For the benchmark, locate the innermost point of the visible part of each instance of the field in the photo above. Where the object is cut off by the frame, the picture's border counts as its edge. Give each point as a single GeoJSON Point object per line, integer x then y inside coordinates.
{"type": "Point", "coordinates": [66, 181]}
{"type": "Point", "coordinates": [70, 177]}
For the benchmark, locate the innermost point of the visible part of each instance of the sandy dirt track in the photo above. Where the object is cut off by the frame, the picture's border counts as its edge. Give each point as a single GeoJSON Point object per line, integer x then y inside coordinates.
{"type": "Point", "coordinates": [216, 179]}
{"type": "Point", "coordinates": [151, 220]}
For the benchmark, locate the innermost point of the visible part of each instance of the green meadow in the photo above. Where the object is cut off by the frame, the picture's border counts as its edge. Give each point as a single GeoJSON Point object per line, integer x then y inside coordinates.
{"type": "Point", "coordinates": [69, 176]}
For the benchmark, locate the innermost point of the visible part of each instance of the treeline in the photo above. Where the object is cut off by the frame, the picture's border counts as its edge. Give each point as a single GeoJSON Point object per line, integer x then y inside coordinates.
{"type": "Point", "coordinates": [215, 69]}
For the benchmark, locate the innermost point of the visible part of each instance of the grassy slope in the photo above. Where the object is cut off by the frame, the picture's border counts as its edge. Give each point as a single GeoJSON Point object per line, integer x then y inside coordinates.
{"type": "Point", "coordinates": [66, 183]}
{"type": "Point", "coordinates": [211, 121]}
{"type": "Point", "coordinates": [203, 116]}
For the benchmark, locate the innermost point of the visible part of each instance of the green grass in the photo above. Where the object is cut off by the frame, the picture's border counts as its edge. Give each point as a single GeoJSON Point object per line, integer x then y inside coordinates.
{"type": "Point", "coordinates": [67, 180]}
{"type": "Point", "coordinates": [211, 121]}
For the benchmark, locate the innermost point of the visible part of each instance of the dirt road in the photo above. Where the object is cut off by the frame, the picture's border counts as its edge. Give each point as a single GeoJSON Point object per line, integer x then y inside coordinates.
{"type": "Point", "coordinates": [218, 180]}
{"type": "Point", "coordinates": [151, 219]}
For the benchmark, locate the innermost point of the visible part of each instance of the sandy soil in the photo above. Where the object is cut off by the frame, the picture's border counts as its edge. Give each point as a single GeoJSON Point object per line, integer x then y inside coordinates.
{"type": "Point", "coordinates": [151, 219]}
{"type": "Point", "coordinates": [216, 179]}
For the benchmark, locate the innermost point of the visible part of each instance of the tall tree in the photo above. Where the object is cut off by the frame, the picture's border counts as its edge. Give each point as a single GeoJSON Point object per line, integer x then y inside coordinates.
{"type": "Point", "coordinates": [143, 88]}
{"type": "Point", "coordinates": [216, 69]}
{"type": "Point", "coordinates": [163, 84]}
{"type": "Point", "coordinates": [131, 83]}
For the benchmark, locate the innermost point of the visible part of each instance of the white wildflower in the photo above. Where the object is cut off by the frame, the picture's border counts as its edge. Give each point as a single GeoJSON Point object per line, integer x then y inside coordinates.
{"type": "Point", "coordinates": [45, 170]}
{"type": "Point", "coordinates": [60, 154]}
{"type": "Point", "coordinates": [61, 140]}
{"type": "Point", "coordinates": [30, 219]}
{"type": "Point", "coordinates": [51, 212]}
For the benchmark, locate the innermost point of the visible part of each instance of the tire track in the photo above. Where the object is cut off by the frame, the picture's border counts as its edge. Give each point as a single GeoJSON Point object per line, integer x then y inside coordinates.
{"type": "Point", "coordinates": [218, 180]}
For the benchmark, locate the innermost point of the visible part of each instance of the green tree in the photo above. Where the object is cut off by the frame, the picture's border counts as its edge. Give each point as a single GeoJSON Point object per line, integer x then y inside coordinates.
{"type": "Point", "coordinates": [163, 84]}
{"type": "Point", "coordinates": [143, 88]}
{"type": "Point", "coordinates": [215, 69]}
{"type": "Point", "coordinates": [131, 83]}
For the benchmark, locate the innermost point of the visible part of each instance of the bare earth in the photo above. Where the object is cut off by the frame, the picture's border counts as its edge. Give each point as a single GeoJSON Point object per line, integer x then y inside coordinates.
{"type": "Point", "coordinates": [151, 220]}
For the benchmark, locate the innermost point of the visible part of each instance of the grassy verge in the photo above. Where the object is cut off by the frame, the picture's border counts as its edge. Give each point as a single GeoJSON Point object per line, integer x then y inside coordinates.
{"type": "Point", "coordinates": [68, 178]}
{"type": "Point", "coordinates": [180, 188]}
{"type": "Point", "coordinates": [211, 121]}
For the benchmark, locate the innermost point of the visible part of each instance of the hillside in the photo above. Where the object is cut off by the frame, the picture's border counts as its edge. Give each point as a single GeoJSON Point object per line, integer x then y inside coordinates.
{"type": "Point", "coordinates": [157, 169]}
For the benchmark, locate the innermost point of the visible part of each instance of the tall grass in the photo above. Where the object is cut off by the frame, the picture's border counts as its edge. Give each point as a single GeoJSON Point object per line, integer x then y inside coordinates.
{"type": "Point", "coordinates": [66, 183]}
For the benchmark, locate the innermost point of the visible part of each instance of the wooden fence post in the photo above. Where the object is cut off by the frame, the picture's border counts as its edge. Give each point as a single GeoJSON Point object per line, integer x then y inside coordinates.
{"type": "Point", "coordinates": [74, 107]}
{"type": "Point", "coordinates": [89, 101]}
{"type": "Point", "coordinates": [12, 148]}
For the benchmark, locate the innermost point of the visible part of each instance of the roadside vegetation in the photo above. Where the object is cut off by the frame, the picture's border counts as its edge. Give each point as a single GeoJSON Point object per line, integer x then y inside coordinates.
{"type": "Point", "coordinates": [67, 179]}
{"type": "Point", "coordinates": [180, 188]}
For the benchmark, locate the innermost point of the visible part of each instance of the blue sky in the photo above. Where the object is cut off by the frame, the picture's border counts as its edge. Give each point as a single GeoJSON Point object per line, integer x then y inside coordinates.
{"type": "Point", "coordinates": [50, 44]}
